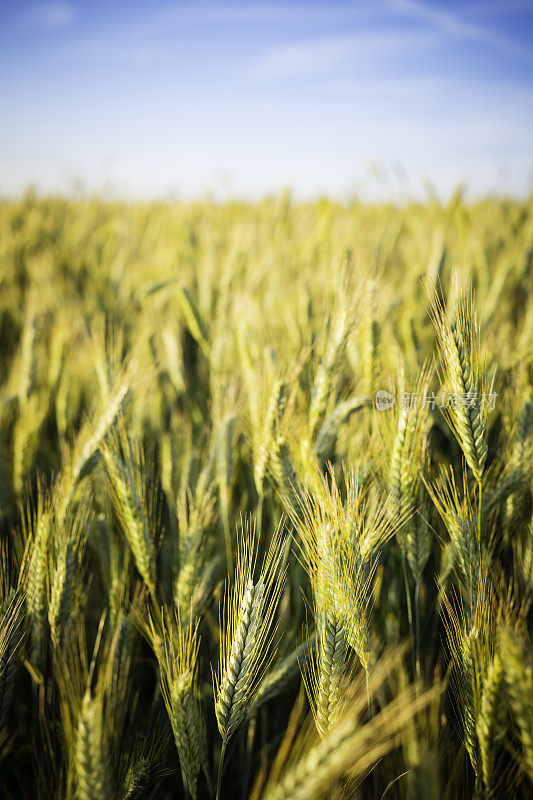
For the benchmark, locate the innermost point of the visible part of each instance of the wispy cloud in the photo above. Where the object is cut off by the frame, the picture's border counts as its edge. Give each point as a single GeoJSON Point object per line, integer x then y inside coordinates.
{"type": "Point", "coordinates": [455, 26]}
{"type": "Point", "coordinates": [322, 54]}
{"type": "Point", "coordinates": [498, 6]}
{"type": "Point", "coordinates": [241, 15]}
{"type": "Point", "coordinates": [51, 15]}
{"type": "Point", "coordinates": [260, 13]}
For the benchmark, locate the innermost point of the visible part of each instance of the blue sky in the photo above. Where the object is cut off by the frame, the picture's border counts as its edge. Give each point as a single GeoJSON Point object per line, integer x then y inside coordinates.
{"type": "Point", "coordinates": [166, 98]}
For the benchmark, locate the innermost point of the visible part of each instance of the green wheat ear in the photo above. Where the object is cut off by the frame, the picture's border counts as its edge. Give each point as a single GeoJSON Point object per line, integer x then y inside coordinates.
{"type": "Point", "coordinates": [62, 591]}
{"type": "Point", "coordinates": [175, 646]}
{"type": "Point", "coordinates": [339, 539]}
{"type": "Point", "coordinates": [178, 669]}
{"type": "Point", "coordinates": [247, 629]}
{"type": "Point", "coordinates": [516, 655]}
{"type": "Point", "coordinates": [194, 551]}
{"type": "Point", "coordinates": [305, 768]}
{"type": "Point", "coordinates": [90, 759]}
{"type": "Point", "coordinates": [492, 720]}
{"type": "Point", "coordinates": [11, 634]}
{"type": "Point", "coordinates": [459, 516]}
{"type": "Point", "coordinates": [459, 348]}
{"type": "Point", "coordinates": [406, 492]}
{"type": "Point", "coordinates": [124, 468]}
{"type": "Point", "coordinates": [477, 678]}
{"type": "Point", "coordinates": [334, 342]}
{"type": "Point", "coordinates": [265, 434]}
{"type": "Point", "coordinates": [38, 536]}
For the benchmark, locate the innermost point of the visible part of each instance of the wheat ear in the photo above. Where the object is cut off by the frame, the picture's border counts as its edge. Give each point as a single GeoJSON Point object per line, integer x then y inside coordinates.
{"type": "Point", "coordinates": [491, 723]}
{"type": "Point", "coordinates": [10, 640]}
{"type": "Point", "coordinates": [132, 514]}
{"type": "Point", "coordinates": [90, 762]}
{"type": "Point", "coordinates": [264, 437]}
{"type": "Point", "coordinates": [459, 348]}
{"type": "Point", "coordinates": [406, 493]}
{"type": "Point", "coordinates": [519, 684]}
{"type": "Point", "coordinates": [175, 646]}
{"type": "Point", "coordinates": [340, 327]}
{"type": "Point", "coordinates": [180, 691]}
{"type": "Point", "coordinates": [458, 516]}
{"type": "Point", "coordinates": [37, 575]}
{"type": "Point", "coordinates": [247, 630]}
{"type": "Point", "coordinates": [350, 747]}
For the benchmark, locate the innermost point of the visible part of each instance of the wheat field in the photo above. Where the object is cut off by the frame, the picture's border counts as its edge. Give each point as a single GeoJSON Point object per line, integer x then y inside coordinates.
{"type": "Point", "coordinates": [266, 500]}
